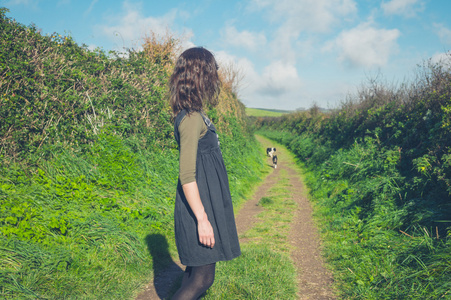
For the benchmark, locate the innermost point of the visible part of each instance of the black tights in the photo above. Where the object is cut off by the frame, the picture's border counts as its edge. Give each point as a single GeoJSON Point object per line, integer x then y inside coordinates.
{"type": "Point", "coordinates": [196, 281]}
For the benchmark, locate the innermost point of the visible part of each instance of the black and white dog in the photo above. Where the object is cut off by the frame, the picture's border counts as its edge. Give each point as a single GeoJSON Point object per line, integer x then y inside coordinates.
{"type": "Point", "coordinates": [274, 161]}
{"type": "Point", "coordinates": [270, 151]}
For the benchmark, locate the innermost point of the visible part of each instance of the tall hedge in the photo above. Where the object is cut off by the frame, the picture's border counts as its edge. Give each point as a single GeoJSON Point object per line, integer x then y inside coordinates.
{"type": "Point", "coordinates": [89, 165]}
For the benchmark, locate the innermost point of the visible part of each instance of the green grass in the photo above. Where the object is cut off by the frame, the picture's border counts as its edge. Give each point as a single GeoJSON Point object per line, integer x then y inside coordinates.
{"type": "Point", "coordinates": [260, 112]}
{"type": "Point", "coordinates": [259, 273]}
{"type": "Point", "coordinates": [76, 227]}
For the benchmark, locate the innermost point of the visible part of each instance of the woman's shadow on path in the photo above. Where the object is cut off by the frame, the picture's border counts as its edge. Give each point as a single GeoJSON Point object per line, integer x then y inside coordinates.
{"type": "Point", "coordinates": [166, 272]}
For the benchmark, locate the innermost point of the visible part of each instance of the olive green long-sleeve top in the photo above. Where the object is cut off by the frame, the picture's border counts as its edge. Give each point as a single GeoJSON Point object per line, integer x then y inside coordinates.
{"type": "Point", "coordinates": [191, 129]}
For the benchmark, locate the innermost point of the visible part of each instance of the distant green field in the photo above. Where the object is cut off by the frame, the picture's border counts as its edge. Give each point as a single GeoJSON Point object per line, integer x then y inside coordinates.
{"type": "Point", "coordinates": [262, 112]}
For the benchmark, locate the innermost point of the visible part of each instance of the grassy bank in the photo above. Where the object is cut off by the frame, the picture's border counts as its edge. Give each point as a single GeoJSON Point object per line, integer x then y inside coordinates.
{"type": "Point", "coordinates": [89, 165]}
{"type": "Point", "coordinates": [373, 253]}
{"type": "Point", "coordinates": [379, 173]}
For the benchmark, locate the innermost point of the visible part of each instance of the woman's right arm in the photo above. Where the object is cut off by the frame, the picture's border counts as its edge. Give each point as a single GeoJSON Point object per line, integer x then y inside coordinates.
{"type": "Point", "coordinates": [204, 228]}
{"type": "Point", "coordinates": [190, 130]}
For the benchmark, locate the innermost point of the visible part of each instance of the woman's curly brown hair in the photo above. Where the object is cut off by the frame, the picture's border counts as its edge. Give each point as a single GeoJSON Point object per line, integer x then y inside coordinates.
{"type": "Point", "coordinates": [195, 81]}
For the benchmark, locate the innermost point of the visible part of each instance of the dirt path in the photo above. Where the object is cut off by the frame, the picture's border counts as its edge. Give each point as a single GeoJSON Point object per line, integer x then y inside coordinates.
{"type": "Point", "coordinates": [313, 278]}
{"type": "Point", "coordinates": [315, 282]}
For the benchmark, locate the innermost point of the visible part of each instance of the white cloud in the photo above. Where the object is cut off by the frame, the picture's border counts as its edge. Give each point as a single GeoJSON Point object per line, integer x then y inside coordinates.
{"type": "Point", "coordinates": [443, 59]}
{"type": "Point", "coordinates": [279, 78]}
{"type": "Point", "coordinates": [406, 8]}
{"type": "Point", "coordinates": [444, 33]}
{"type": "Point", "coordinates": [223, 57]}
{"type": "Point", "coordinates": [131, 26]}
{"type": "Point", "coordinates": [278, 85]}
{"type": "Point", "coordinates": [246, 39]}
{"type": "Point", "coordinates": [243, 65]}
{"type": "Point", "coordinates": [308, 15]}
{"type": "Point", "coordinates": [365, 46]}
{"type": "Point", "coordinates": [291, 18]}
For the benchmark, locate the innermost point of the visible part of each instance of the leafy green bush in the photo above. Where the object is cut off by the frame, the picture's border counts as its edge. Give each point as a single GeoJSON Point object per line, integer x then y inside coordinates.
{"type": "Point", "coordinates": [54, 91]}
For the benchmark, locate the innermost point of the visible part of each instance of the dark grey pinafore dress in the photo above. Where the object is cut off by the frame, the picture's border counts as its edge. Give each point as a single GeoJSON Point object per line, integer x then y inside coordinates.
{"type": "Point", "coordinates": [213, 183]}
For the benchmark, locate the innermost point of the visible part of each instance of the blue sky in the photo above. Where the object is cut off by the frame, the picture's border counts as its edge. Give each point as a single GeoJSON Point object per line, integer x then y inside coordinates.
{"type": "Point", "coordinates": [293, 53]}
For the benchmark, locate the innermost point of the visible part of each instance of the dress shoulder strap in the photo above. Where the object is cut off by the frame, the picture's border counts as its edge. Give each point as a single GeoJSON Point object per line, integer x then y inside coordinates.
{"type": "Point", "coordinates": [206, 119]}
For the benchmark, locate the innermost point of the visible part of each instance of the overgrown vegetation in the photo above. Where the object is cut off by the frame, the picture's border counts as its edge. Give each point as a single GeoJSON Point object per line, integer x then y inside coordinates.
{"type": "Point", "coordinates": [379, 172]}
{"type": "Point", "coordinates": [89, 166]}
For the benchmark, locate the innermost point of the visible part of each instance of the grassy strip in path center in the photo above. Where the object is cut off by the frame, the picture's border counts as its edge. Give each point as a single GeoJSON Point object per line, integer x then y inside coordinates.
{"type": "Point", "coordinates": [265, 269]}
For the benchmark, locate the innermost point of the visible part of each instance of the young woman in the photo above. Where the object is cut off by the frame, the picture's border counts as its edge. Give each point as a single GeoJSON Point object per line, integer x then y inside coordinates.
{"type": "Point", "coordinates": [205, 230]}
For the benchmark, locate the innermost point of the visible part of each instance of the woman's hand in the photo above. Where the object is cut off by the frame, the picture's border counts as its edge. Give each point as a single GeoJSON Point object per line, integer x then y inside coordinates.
{"type": "Point", "coordinates": [205, 231]}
